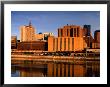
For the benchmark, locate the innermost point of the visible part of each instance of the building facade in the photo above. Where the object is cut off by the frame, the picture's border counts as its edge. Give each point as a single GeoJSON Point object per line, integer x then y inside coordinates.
{"type": "Point", "coordinates": [27, 33]}
{"type": "Point", "coordinates": [96, 42]}
{"type": "Point", "coordinates": [66, 44]}
{"type": "Point", "coordinates": [43, 36]}
{"type": "Point", "coordinates": [70, 38]}
{"type": "Point", "coordinates": [39, 36]}
{"type": "Point", "coordinates": [13, 42]}
{"type": "Point", "coordinates": [70, 31]}
{"type": "Point", "coordinates": [47, 34]}
{"type": "Point", "coordinates": [87, 35]}
{"type": "Point", "coordinates": [33, 45]}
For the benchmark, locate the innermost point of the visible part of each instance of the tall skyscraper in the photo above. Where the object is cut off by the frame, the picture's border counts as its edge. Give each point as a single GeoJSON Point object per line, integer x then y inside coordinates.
{"type": "Point", "coordinates": [87, 35]}
{"type": "Point", "coordinates": [87, 30]}
{"type": "Point", "coordinates": [27, 33]}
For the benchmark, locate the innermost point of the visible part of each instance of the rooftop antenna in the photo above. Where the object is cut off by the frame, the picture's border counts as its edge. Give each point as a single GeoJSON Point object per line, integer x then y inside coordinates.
{"type": "Point", "coordinates": [30, 23]}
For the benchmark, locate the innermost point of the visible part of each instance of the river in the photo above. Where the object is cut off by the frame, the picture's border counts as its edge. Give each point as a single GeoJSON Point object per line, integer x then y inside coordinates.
{"type": "Point", "coordinates": [89, 69]}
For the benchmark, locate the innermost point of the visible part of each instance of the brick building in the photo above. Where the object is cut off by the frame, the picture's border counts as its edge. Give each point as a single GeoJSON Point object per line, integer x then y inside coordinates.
{"type": "Point", "coordinates": [33, 45]}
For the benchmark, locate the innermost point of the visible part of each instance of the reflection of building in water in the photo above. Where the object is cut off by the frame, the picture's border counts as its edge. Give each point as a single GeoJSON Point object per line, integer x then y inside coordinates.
{"type": "Point", "coordinates": [92, 70]}
{"type": "Point", "coordinates": [31, 73]}
{"type": "Point", "coordinates": [65, 70]}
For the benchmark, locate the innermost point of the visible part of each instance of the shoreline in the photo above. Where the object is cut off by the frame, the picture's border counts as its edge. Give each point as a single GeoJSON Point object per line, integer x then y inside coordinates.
{"type": "Point", "coordinates": [28, 59]}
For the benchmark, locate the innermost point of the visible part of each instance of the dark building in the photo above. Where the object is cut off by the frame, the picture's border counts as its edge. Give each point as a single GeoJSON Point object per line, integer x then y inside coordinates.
{"type": "Point", "coordinates": [33, 45]}
{"type": "Point", "coordinates": [96, 42]}
{"type": "Point", "coordinates": [97, 36]}
{"type": "Point", "coordinates": [87, 30]}
{"type": "Point", "coordinates": [87, 35]}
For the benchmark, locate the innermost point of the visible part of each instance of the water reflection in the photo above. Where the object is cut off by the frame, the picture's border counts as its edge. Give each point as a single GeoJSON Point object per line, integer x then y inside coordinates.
{"type": "Point", "coordinates": [90, 69]}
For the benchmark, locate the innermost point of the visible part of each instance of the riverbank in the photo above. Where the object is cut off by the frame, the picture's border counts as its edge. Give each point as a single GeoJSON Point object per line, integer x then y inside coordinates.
{"type": "Point", "coordinates": [56, 59]}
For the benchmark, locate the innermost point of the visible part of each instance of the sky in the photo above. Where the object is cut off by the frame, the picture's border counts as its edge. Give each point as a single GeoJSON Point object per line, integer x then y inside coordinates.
{"type": "Point", "coordinates": [50, 21]}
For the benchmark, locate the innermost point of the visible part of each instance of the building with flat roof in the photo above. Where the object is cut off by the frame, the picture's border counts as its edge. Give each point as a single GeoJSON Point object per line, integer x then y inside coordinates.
{"type": "Point", "coordinates": [13, 42]}
{"type": "Point", "coordinates": [70, 38]}
{"type": "Point", "coordinates": [33, 45]}
{"type": "Point", "coordinates": [96, 41]}
{"type": "Point", "coordinates": [43, 36]}
{"type": "Point", "coordinates": [39, 36]}
{"type": "Point", "coordinates": [87, 35]}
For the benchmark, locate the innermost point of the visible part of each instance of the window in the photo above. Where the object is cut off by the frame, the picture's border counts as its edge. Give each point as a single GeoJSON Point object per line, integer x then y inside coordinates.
{"type": "Point", "coordinates": [71, 32]}
{"type": "Point", "coordinates": [68, 43]}
{"type": "Point", "coordinates": [57, 44]}
{"type": "Point", "coordinates": [53, 44]}
{"type": "Point", "coordinates": [72, 43]}
{"type": "Point", "coordinates": [74, 32]}
{"type": "Point", "coordinates": [64, 43]}
{"type": "Point", "coordinates": [60, 44]}
{"type": "Point", "coordinates": [77, 32]}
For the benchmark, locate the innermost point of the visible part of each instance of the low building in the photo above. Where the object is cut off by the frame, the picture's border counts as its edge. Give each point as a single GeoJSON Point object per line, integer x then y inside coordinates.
{"type": "Point", "coordinates": [33, 45]}
{"type": "Point", "coordinates": [39, 36]}
{"type": "Point", "coordinates": [13, 42]}
{"type": "Point", "coordinates": [47, 34]}
{"type": "Point", "coordinates": [43, 36]}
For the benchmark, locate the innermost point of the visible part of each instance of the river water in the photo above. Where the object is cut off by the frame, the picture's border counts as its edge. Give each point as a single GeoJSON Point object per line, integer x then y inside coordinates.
{"type": "Point", "coordinates": [89, 69]}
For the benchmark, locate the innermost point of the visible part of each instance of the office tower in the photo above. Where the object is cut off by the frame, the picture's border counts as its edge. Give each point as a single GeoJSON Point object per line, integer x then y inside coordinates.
{"type": "Point", "coordinates": [87, 35]}
{"type": "Point", "coordinates": [27, 33]}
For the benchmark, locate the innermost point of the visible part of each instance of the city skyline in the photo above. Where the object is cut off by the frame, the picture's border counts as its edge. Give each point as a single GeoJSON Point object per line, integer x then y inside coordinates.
{"type": "Point", "coordinates": [50, 21]}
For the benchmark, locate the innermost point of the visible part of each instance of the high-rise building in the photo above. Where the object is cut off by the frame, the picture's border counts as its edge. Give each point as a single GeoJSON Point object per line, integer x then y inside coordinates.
{"type": "Point", "coordinates": [27, 33]}
{"type": "Point", "coordinates": [97, 36]}
{"type": "Point", "coordinates": [96, 42]}
{"type": "Point", "coordinates": [87, 35]}
{"type": "Point", "coordinates": [87, 30]}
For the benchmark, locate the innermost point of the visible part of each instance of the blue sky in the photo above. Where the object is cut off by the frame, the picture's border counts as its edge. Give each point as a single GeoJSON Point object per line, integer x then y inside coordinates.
{"type": "Point", "coordinates": [50, 21]}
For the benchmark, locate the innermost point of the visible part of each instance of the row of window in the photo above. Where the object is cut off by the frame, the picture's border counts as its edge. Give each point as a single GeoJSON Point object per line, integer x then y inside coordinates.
{"type": "Point", "coordinates": [70, 32]}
